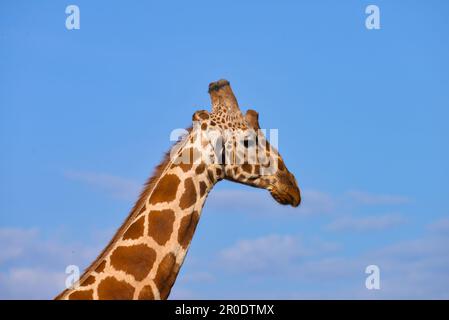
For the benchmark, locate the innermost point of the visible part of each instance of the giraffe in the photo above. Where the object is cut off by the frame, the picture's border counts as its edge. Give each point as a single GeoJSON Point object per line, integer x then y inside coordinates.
{"type": "Point", "coordinates": [144, 257]}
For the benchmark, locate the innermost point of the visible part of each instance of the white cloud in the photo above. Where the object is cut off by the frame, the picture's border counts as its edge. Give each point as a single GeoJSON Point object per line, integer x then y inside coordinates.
{"type": "Point", "coordinates": [366, 223]}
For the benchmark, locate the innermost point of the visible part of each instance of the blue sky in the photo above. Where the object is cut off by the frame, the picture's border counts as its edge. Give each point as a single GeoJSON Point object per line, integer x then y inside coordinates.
{"type": "Point", "coordinates": [362, 114]}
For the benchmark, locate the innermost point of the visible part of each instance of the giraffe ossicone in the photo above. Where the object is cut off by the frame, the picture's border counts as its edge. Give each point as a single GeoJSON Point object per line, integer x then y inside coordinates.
{"type": "Point", "coordinates": [144, 257]}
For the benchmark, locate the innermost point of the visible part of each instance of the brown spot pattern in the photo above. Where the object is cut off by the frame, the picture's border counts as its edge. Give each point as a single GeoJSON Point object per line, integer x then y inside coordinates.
{"type": "Point", "coordinates": [203, 188]}
{"type": "Point", "coordinates": [188, 198]}
{"type": "Point", "coordinates": [187, 228]}
{"type": "Point", "coordinates": [160, 225]}
{"type": "Point", "coordinates": [136, 260]}
{"type": "Point", "coordinates": [165, 190]}
{"type": "Point", "coordinates": [89, 280]}
{"type": "Point", "coordinates": [135, 231]}
{"type": "Point", "coordinates": [146, 293]}
{"type": "Point", "coordinates": [82, 295]}
{"type": "Point", "coordinates": [166, 275]}
{"type": "Point", "coordinates": [100, 267]}
{"type": "Point", "coordinates": [113, 289]}
{"type": "Point", "coordinates": [185, 166]}
{"type": "Point", "coordinates": [200, 169]}
{"type": "Point", "coordinates": [246, 167]}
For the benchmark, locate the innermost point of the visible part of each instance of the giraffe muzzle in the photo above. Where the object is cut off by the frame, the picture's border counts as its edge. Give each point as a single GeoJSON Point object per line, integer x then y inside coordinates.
{"type": "Point", "coordinates": [286, 190]}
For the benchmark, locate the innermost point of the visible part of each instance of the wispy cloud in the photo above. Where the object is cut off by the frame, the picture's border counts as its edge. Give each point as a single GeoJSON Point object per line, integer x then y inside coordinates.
{"type": "Point", "coordinates": [260, 202]}
{"type": "Point", "coordinates": [33, 266]}
{"type": "Point", "coordinates": [272, 254]}
{"type": "Point", "coordinates": [314, 202]}
{"type": "Point", "coordinates": [284, 255]}
{"type": "Point", "coordinates": [14, 242]}
{"type": "Point", "coordinates": [248, 200]}
{"type": "Point", "coordinates": [30, 283]}
{"type": "Point", "coordinates": [366, 223]}
{"type": "Point", "coordinates": [264, 254]}
{"type": "Point", "coordinates": [118, 187]}
{"type": "Point", "coordinates": [367, 198]}
{"type": "Point", "coordinates": [440, 226]}
{"type": "Point", "coordinates": [414, 268]}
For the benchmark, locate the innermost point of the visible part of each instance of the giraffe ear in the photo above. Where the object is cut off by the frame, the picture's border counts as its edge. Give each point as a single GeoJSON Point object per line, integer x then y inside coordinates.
{"type": "Point", "coordinates": [252, 118]}
{"type": "Point", "coordinates": [200, 115]}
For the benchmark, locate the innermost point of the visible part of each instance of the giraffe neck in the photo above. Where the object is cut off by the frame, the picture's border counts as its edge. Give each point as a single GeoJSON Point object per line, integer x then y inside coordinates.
{"type": "Point", "coordinates": [144, 257]}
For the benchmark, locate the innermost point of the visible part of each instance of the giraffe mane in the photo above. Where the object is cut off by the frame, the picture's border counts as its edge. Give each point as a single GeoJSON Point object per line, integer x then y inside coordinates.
{"type": "Point", "coordinates": [147, 189]}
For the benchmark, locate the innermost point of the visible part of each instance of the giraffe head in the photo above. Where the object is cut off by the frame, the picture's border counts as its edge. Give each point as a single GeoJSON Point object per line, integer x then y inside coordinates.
{"type": "Point", "coordinates": [236, 144]}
